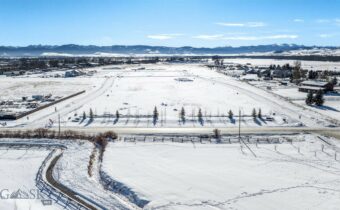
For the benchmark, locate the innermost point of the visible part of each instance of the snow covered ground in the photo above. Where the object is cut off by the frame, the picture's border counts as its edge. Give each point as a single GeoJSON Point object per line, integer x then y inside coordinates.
{"type": "Point", "coordinates": [310, 65]}
{"type": "Point", "coordinates": [20, 167]}
{"type": "Point", "coordinates": [17, 178]}
{"type": "Point", "coordinates": [331, 107]}
{"type": "Point", "coordinates": [136, 90]}
{"type": "Point", "coordinates": [228, 176]}
{"type": "Point", "coordinates": [16, 87]}
{"type": "Point", "coordinates": [71, 170]}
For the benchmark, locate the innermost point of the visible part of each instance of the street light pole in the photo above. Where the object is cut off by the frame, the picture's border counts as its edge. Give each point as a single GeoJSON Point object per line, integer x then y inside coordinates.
{"type": "Point", "coordinates": [239, 125]}
{"type": "Point", "coordinates": [59, 125]}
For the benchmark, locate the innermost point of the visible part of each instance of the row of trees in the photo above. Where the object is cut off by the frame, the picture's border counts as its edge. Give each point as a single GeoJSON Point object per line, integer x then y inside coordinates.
{"type": "Point", "coordinates": [255, 114]}
{"type": "Point", "coordinates": [322, 75]}
{"type": "Point", "coordinates": [52, 134]}
{"type": "Point", "coordinates": [182, 115]}
{"type": "Point", "coordinates": [91, 115]}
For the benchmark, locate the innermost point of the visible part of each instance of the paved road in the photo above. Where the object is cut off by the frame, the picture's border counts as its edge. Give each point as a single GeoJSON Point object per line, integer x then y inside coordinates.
{"type": "Point", "coordinates": [187, 131]}
{"type": "Point", "coordinates": [71, 194]}
{"type": "Point", "coordinates": [224, 130]}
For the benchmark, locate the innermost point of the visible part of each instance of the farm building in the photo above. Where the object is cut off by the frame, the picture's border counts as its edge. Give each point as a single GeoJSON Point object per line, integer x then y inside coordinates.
{"type": "Point", "coordinates": [314, 86]}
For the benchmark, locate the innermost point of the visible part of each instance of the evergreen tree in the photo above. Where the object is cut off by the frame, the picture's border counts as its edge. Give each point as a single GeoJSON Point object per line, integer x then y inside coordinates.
{"type": "Point", "coordinates": [117, 115]}
{"type": "Point", "coordinates": [84, 115]}
{"type": "Point", "coordinates": [182, 114]}
{"type": "Point", "coordinates": [334, 81]}
{"type": "Point", "coordinates": [155, 115]}
{"type": "Point", "coordinates": [91, 114]}
{"type": "Point", "coordinates": [230, 114]}
{"type": "Point", "coordinates": [309, 99]}
{"type": "Point", "coordinates": [259, 114]}
{"type": "Point", "coordinates": [319, 100]}
{"type": "Point", "coordinates": [253, 113]}
{"type": "Point", "coordinates": [200, 116]}
{"type": "Point", "coordinates": [217, 135]}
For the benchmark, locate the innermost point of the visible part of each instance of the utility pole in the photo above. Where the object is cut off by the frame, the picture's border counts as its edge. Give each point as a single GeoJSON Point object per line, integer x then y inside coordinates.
{"type": "Point", "coordinates": [239, 125]}
{"type": "Point", "coordinates": [59, 125]}
{"type": "Point", "coordinates": [165, 115]}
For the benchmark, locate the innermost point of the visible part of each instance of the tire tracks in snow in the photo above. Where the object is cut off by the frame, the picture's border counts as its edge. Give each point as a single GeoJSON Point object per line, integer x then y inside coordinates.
{"type": "Point", "coordinates": [66, 197]}
{"type": "Point", "coordinates": [75, 104]}
{"type": "Point", "coordinates": [279, 103]}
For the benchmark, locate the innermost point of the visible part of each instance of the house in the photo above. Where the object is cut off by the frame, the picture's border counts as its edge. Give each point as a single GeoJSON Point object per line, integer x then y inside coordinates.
{"type": "Point", "coordinates": [37, 97]}
{"type": "Point", "coordinates": [73, 73]}
{"type": "Point", "coordinates": [250, 77]}
{"type": "Point", "coordinates": [314, 86]}
{"type": "Point", "coordinates": [263, 72]}
{"type": "Point", "coordinates": [281, 73]}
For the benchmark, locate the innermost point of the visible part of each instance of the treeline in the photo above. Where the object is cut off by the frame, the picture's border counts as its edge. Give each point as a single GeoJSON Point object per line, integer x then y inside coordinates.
{"type": "Point", "coordinates": [292, 57]}
{"type": "Point", "coordinates": [41, 133]}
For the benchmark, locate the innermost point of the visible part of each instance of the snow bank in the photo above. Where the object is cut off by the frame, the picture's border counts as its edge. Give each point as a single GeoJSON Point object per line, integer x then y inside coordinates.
{"type": "Point", "coordinates": [118, 187]}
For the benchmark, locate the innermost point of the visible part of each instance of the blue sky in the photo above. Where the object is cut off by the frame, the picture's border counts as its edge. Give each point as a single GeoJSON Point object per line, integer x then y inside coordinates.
{"type": "Point", "coordinates": [198, 23]}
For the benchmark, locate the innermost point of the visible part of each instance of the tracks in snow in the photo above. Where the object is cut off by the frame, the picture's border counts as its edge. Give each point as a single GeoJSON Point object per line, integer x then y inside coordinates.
{"type": "Point", "coordinates": [75, 104]}
{"type": "Point", "coordinates": [285, 107]}
{"type": "Point", "coordinates": [48, 185]}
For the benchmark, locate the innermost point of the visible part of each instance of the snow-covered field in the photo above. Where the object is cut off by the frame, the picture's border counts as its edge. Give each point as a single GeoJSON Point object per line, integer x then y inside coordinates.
{"type": "Point", "coordinates": [297, 176]}
{"type": "Point", "coordinates": [298, 171]}
{"type": "Point", "coordinates": [72, 171]}
{"type": "Point", "coordinates": [19, 169]}
{"type": "Point", "coordinates": [17, 178]}
{"type": "Point", "coordinates": [13, 88]}
{"type": "Point", "coordinates": [136, 90]}
{"type": "Point", "coordinates": [331, 107]}
{"type": "Point", "coordinates": [310, 65]}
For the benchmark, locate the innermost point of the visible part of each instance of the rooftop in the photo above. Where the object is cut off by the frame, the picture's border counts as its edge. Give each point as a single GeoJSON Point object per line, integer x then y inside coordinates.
{"type": "Point", "coordinates": [313, 83]}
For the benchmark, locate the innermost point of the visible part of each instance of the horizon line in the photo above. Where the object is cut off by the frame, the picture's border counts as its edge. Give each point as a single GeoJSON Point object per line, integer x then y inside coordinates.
{"type": "Point", "coordinates": [130, 45]}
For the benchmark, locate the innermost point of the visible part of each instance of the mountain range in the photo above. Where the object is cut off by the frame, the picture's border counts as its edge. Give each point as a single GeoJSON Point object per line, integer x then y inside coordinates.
{"type": "Point", "coordinates": [83, 50]}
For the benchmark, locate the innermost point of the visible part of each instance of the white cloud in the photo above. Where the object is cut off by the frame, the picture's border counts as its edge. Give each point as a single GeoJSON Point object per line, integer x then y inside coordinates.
{"type": "Point", "coordinates": [231, 24]}
{"type": "Point", "coordinates": [209, 37]}
{"type": "Point", "coordinates": [245, 38]}
{"type": "Point", "coordinates": [248, 24]}
{"type": "Point", "coordinates": [163, 36]}
{"type": "Point", "coordinates": [282, 36]}
{"type": "Point", "coordinates": [323, 21]}
{"type": "Point", "coordinates": [254, 38]}
{"type": "Point", "coordinates": [299, 20]}
{"type": "Point", "coordinates": [337, 22]}
{"type": "Point", "coordinates": [327, 35]}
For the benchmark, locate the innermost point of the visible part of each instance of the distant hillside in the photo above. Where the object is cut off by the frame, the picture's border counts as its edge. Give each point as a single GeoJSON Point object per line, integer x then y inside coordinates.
{"type": "Point", "coordinates": [74, 50]}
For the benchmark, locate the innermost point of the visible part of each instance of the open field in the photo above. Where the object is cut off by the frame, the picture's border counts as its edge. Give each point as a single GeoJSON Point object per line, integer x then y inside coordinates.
{"type": "Point", "coordinates": [309, 65]}
{"type": "Point", "coordinates": [138, 92]}
{"type": "Point", "coordinates": [134, 91]}
{"type": "Point", "coordinates": [17, 175]}
{"type": "Point", "coordinates": [174, 171]}
{"type": "Point", "coordinates": [174, 163]}
{"type": "Point", "coordinates": [297, 175]}
{"type": "Point", "coordinates": [16, 88]}
{"type": "Point", "coordinates": [331, 107]}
